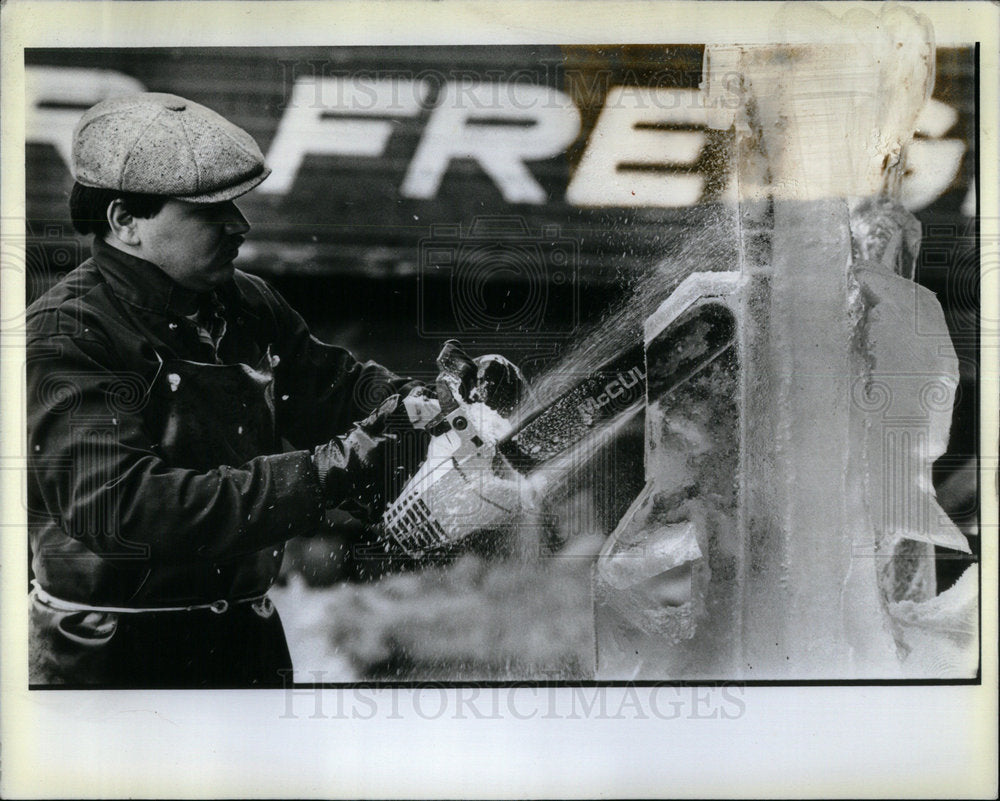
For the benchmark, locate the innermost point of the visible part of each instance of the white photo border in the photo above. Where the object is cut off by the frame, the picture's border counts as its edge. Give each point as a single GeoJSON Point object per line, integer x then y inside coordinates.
{"type": "Point", "coordinates": [785, 741]}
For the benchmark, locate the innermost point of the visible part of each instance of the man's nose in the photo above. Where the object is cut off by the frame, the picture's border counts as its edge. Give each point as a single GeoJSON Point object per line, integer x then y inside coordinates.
{"type": "Point", "coordinates": [234, 220]}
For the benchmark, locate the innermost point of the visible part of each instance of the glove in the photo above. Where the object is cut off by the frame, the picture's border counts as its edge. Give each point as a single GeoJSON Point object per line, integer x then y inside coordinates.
{"type": "Point", "coordinates": [491, 379]}
{"type": "Point", "coordinates": [363, 470]}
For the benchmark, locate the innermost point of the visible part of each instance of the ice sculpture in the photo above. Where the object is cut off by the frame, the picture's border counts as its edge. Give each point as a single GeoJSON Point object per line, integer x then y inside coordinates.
{"type": "Point", "coordinates": [788, 525]}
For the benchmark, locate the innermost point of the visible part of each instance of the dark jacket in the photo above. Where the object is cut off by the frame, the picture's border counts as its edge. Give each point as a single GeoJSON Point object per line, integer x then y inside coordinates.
{"type": "Point", "coordinates": [161, 473]}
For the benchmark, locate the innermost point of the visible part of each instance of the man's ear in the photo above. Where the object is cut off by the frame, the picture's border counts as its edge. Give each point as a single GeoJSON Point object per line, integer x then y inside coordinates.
{"type": "Point", "coordinates": [122, 223]}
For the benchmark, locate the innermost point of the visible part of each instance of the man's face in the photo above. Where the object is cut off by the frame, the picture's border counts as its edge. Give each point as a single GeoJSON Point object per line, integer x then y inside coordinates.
{"type": "Point", "coordinates": [193, 243]}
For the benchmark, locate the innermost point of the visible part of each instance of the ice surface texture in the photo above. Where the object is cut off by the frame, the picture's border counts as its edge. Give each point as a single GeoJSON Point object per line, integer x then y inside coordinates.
{"type": "Point", "coordinates": [846, 380]}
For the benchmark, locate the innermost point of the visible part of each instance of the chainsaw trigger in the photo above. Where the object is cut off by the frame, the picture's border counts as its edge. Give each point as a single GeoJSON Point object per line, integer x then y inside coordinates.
{"type": "Point", "coordinates": [438, 426]}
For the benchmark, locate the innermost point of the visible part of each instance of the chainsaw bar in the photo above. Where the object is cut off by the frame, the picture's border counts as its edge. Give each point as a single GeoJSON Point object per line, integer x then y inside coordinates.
{"type": "Point", "coordinates": [620, 384]}
{"type": "Point", "coordinates": [471, 492]}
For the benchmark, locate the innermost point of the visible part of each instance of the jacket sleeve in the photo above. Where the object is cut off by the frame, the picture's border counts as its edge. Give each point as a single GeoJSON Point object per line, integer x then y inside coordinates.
{"type": "Point", "coordinates": [93, 466]}
{"type": "Point", "coordinates": [321, 389]}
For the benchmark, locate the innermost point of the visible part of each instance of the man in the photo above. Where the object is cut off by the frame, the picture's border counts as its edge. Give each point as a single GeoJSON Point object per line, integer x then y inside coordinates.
{"type": "Point", "coordinates": [182, 421]}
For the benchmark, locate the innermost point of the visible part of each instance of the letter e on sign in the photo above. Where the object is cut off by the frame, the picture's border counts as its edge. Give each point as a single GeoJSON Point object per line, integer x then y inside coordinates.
{"type": "Point", "coordinates": [634, 152]}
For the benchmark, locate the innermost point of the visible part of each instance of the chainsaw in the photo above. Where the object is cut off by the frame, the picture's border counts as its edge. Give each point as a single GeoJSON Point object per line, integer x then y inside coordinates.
{"type": "Point", "coordinates": [479, 463]}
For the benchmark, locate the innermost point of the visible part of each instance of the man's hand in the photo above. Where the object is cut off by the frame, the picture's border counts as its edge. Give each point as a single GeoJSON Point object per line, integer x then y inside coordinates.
{"type": "Point", "coordinates": [365, 469]}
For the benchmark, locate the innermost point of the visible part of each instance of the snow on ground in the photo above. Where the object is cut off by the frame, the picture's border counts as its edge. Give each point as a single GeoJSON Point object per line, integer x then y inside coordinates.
{"type": "Point", "coordinates": [473, 619]}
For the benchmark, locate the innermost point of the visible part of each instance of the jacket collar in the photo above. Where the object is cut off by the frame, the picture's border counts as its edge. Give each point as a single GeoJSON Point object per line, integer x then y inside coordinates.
{"type": "Point", "coordinates": [142, 283]}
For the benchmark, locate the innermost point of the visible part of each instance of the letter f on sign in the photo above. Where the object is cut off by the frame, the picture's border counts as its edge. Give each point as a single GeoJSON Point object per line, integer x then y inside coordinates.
{"type": "Point", "coordinates": [338, 117]}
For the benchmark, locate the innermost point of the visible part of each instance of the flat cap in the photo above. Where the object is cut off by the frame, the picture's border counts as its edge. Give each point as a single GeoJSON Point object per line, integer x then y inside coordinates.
{"type": "Point", "coordinates": [161, 144]}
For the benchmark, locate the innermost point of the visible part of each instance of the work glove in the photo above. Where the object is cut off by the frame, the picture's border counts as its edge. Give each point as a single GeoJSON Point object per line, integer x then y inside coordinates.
{"type": "Point", "coordinates": [490, 379]}
{"type": "Point", "coordinates": [366, 468]}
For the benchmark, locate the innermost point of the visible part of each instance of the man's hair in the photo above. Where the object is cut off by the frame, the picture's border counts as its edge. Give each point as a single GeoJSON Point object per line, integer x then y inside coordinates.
{"type": "Point", "coordinates": [88, 207]}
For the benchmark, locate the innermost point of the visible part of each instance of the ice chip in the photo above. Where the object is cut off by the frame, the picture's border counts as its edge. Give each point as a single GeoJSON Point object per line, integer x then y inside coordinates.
{"type": "Point", "coordinates": [662, 548]}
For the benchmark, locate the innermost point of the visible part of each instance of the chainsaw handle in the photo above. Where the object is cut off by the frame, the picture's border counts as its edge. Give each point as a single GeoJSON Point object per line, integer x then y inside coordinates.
{"type": "Point", "coordinates": [456, 371]}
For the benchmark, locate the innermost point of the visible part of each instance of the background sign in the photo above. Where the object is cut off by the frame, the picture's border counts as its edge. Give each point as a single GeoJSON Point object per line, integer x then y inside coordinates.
{"type": "Point", "coordinates": [507, 196]}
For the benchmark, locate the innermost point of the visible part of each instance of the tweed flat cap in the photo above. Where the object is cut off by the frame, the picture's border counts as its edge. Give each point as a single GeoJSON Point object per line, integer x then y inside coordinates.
{"type": "Point", "coordinates": [161, 144]}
